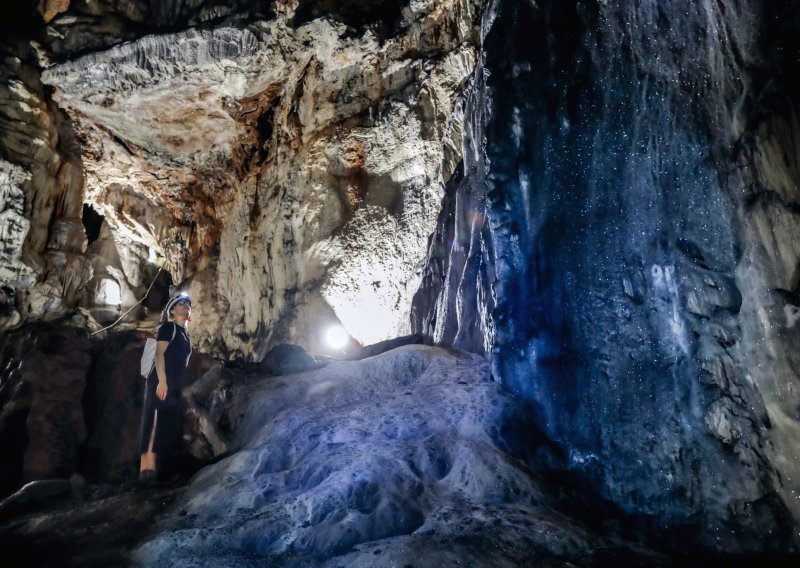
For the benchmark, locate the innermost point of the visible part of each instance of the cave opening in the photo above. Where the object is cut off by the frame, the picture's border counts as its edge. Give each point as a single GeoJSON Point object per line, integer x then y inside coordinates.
{"type": "Point", "coordinates": [92, 222]}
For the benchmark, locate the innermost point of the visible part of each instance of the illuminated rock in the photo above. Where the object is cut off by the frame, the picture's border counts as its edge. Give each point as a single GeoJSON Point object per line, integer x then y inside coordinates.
{"type": "Point", "coordinates": [289, 169]}
{"type": "Point", "coordinates": [13, 225]}
{"type": "Point", "coordinates": [376, 462]}
{"type": "Point", "coordinates": [42, 269]}
{"type": "Point", "coordinates": [619, 230]}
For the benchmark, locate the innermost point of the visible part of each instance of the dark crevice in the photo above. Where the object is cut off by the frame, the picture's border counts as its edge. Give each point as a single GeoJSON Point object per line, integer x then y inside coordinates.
{"type": "Point", "coordinates": [92, 223]}
{"type": "Point", "coordinates": [382, 16]}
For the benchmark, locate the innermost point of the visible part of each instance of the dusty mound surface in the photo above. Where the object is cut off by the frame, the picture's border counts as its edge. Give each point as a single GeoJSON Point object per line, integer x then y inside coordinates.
{"type": "Point", "coordinates": [400, 459]}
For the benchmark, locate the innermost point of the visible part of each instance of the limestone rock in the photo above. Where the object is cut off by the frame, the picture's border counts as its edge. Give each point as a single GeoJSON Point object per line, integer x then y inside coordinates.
{"type": "Point", "coordinates": [100, 530]}
{"type": "Point", "coordinates": [388, 345]}
{"type": "Point", "coordinates": [210, 415]}
{"type": "Point", "coordinates": [286, 359]}
{"type": "Point", "coordinates": [13, 225]}
{"type": "Point", "coordinates": [94, 26]}
{"type": "Point", "coordinates": [41, 184]}
{"type": "Point", "coordinates": [70, 405]}
{"type": "Point", "coordinates": [619, 235]}
{"type": "Point", "coordinates": [288, 170]}
{"type": "Point", "coordinates": [623, 242]}
{"type": "Point", "coordinates": [113, 402]}
{"type": "Point", "coordinates": [34, 495]}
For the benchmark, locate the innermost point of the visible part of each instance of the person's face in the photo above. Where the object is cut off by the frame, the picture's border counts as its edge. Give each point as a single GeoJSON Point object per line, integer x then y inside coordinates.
{"type": "Point", "coordinates": [182, 308]}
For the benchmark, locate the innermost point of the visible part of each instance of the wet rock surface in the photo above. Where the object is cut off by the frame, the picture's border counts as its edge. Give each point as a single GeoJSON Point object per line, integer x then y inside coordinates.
{"type": "Point", "coordinates": [618, 241]}
{"type": "Point", "coordinates": [415, 456]}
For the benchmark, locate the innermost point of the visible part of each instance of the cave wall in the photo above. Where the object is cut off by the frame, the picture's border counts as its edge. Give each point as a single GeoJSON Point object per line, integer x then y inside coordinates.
{"type": "Point", "coordinates": [42, 426]}
{"type": "Point", "coordinates": [42, 240]}
{"type": "Point", "coordinates": [282, 161]}
{"type": "Point", "coordinates": [621, 239]}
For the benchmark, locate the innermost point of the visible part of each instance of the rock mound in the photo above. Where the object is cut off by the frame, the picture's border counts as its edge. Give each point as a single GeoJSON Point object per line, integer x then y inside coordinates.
{"type": "Point", "coordinates": [378, 461]}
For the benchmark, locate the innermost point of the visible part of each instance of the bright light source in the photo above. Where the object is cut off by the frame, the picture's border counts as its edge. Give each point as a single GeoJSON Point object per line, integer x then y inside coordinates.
{"type": "Point", "coordinates": [372, 308]}
{"type": "Point", "coordinates": [337, 337]}
{"type": "Point", "coordinates": [108, 293]}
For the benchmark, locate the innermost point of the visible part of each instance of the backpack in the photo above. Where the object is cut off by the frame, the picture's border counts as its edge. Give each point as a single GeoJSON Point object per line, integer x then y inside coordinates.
{"type": "Point", "coordinates": [148, 360]}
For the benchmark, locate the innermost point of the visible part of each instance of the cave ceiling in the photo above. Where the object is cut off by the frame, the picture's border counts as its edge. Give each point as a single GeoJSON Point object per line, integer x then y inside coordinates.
{"type": "Point", "coordinates": [303, 141]}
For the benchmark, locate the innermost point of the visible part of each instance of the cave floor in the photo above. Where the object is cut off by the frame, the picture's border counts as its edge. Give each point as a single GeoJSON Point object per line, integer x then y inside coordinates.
{"type": "Point", "coordinates": [413, 458]}
{"type": "Point", "coordinates": [105, 531]}
{"type": "Point", "coordinates": [100, 531]}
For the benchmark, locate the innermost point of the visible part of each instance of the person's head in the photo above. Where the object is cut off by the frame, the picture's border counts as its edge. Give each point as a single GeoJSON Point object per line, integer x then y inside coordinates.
{"type": "Point", "coordinates": [179, 306]}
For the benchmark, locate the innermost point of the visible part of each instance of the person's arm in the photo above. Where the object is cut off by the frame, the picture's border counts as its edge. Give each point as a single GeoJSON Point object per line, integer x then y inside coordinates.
{"type": "Point", "coordinates": [161, 369]}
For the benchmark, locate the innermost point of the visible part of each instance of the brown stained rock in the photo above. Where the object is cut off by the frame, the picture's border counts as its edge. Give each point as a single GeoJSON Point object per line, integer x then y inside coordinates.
{"type": "Point", "coordinates": [257, 114]}
{"type": "Point", "coordinates": [228, 169]}
{"type": "Point", "coordinates": [49, 9]}
{"type": "Point", "coordinates": [44, 196]}
{"type": "Point", "coordinates": [73, 276]}
{"type": "Point", "coordinates": [355, 162]}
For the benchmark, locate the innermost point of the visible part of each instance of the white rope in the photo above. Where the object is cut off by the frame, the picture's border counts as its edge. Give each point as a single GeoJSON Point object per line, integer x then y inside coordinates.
{"type": "Point", "coordinates": [133, 306]}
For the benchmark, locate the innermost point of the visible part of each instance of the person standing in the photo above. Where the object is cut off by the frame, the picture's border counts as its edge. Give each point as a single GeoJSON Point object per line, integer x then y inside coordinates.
{"type": "Point", "coordinates": [162, 412]}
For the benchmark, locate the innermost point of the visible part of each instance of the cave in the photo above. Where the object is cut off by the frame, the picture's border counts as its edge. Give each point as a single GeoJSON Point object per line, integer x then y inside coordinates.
{"type": "Point", "coordinates": [473, 282]}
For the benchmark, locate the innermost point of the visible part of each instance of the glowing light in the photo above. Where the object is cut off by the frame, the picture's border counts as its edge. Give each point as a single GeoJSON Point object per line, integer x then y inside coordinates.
{"type": "Point", "coordinates": [108, 293]}
{"type": "Point", "coordinates": [337, 337]}
{"type": "Point", "coordinates": [368, 302]}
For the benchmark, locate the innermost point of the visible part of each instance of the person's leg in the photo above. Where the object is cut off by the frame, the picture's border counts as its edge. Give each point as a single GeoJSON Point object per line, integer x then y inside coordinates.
{"type": "Point", "coordinates": [147, 461]}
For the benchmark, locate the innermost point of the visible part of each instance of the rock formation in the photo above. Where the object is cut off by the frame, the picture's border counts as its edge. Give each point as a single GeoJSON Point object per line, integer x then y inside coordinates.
{"type": "Point", "coordinates": [42, 265]}
{"type": "Point", "coordinates": [599, 200]}
{"type": "Point", "coordinates": [42, 426]}
{"type": "Point", "coordinates": [398, 459]}
{"type": "Point", "coordinates": [622, 241]}
{"type": "Point", "coordinates": [287, 171]}
{"type": "Point", "coordinates": [72, 405]}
